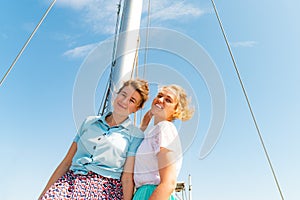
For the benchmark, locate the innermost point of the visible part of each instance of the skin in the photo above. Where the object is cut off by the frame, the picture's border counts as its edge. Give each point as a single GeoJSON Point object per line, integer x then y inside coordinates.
{"type": "Point", "coordinates": [125, 103]}
{"type": "Point", "coordinates": [163, 108]}
{"type": "Point", "coordinates": [167, 175]}
{"type": "Point", "coordinates": [62, 168]}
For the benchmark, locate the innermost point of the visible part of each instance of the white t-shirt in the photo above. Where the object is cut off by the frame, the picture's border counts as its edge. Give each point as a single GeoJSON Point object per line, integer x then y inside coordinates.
{"type": "Point", "coordinates": [165, 135]}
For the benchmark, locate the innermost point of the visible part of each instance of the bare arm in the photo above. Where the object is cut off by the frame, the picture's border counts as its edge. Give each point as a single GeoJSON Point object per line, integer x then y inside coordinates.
{"type": "Point", "coordinates": [167, 172]}
{"type": "Point", "coordinates": [127, 178]}
{"type": "Point", "coordinates": [62, 168]}
{"type": "Point", "coordinates": [146, 119]}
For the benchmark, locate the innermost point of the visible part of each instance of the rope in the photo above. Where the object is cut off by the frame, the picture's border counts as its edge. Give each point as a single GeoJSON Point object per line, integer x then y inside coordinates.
{"type": "Point", "coordinates": [135, 67]}
{"type": "Point", "coordinates": [135, 61]}
{"type": "Point", "coordinates": [147, 36]}
{"type": "Point", "coordinates": [146, 49]}
{"type": "Point", "coordinates": [27, 42]}
{"type": "Point", "coordinates": [248, 101]}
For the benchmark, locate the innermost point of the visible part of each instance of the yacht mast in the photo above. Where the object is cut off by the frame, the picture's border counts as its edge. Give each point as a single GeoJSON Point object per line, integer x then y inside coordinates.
{"type": "Point", "coordinates": [127, 45]}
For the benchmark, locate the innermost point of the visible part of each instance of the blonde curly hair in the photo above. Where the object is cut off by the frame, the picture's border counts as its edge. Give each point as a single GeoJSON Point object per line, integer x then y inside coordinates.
{"type": "Point", "coordinates": [183, 111]}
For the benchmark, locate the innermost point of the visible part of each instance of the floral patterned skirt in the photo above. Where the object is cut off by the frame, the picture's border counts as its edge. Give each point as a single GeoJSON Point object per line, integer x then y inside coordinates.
{"type": "Point", "coordinates": [90, 186]}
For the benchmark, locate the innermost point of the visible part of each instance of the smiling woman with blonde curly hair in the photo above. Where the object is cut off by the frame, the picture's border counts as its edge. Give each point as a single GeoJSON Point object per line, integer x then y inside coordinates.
{"type": "Point", "coordinates": [158, 159]}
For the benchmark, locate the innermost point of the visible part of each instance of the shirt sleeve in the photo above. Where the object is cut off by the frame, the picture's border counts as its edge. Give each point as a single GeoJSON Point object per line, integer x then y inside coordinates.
{"type": "Point", "coordinates": [82, 128]}
{"type": "Point", "coordinates": [167, 137]}
{"type": "Point", "coordinates": [137, 138]}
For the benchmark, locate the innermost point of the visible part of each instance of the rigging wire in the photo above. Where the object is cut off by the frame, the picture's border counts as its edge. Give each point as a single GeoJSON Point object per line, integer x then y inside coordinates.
{"type": "Point", "coordinates": [146, 46]}
{"type": "Point", "coordinates": [27, 42]}
{"type": "Point", "coordinates": [105, 98]}
{"type": "Point", "coordinates": [147, 37]}
{"type": "Point", "coordinates": [116, 35]}
{"type": "Point", "coordinates": [248, 101]}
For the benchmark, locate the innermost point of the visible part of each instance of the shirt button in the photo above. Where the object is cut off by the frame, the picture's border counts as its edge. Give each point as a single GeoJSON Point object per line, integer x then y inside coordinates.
{"type": "Point", "coordinates": [94, 147]}
{"type": "Point", "coordinates": [99, 138]}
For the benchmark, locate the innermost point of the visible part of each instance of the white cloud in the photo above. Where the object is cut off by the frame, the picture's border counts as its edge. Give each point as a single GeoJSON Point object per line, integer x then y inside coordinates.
{"type": "Point", "coordinates": [244, 44]}
{"type": "Point", "coordinates": [80, 52]}
{"type": "Point", "coordinates": [100, 15]}
{"type": "Point", "coordinates": [75, 4]}
{"type": "Point", "coordinates": [173, 10]}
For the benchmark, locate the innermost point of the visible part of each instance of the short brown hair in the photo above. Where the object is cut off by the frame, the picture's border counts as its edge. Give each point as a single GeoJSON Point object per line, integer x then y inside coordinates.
{"type": "Point", "coordinates": [141, 86]}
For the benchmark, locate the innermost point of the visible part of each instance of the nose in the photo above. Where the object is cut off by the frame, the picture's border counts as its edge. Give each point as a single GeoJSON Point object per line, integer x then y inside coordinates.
{"type": "Point", "coordinates": [160, 99]}
{"type": "Point", "coordinates": [125, 100]}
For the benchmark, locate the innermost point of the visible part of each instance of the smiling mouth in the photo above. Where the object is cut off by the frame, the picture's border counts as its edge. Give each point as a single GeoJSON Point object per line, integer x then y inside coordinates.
{"type": "Point", "coordinates": [124, 107]}
{"type": "Point", "coordinates": [158, 106]}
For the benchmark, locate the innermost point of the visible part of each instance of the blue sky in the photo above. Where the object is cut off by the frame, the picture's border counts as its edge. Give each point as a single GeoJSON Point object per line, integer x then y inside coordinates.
{"type": "Point", "coordinates": [36, 100]}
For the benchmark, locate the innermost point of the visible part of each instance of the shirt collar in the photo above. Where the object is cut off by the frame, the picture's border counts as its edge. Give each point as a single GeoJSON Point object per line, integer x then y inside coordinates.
{"type": "Point", "coordinates": [125, 124]}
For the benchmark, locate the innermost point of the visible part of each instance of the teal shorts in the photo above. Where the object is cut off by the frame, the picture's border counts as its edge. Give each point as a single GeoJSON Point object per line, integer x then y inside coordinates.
{"type": "Point", "coordinates": [145, 191]}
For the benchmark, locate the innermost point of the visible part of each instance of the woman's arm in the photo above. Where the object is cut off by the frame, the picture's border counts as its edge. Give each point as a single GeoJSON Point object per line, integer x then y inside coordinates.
{"type": "Point", "coordinates": [127, 178]}
{"type": "Point", "coordinates": [167, 172]}
{"type": "Point", "coordinates": [62, 168]}
{"type": "Point", "coordinates": [146, 119]}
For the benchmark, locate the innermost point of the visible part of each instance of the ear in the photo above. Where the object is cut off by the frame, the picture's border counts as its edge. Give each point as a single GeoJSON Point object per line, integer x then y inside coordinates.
{"type": "Point", "coordinates": [176, 112]}
{"type": "Point", "coordinates": [136, 109]}
{"type": "Point", "coordinates": [139, 107]}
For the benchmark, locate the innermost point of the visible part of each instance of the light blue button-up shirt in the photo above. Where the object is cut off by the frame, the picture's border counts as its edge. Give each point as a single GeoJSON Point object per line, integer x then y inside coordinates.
{"type": "Point", "coordinates": [103, 149]}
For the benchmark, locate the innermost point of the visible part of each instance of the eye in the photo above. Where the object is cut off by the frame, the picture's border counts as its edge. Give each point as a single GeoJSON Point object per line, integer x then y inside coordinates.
{"type": "Point", "coordinates": [168, 100]}
{"type": "Point", "coordinates": [159, 96]}
{"type": "Point", "coordinates": [132, 101]}
{"type": "Point", "coordinates": [123, 94]}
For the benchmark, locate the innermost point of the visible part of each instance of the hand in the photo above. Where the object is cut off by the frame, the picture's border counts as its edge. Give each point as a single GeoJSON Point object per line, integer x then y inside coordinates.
{"type": "Point", "coordinates": [146, 119]}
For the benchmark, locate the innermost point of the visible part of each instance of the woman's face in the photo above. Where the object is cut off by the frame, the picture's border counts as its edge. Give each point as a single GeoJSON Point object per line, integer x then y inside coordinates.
{"type": "Point", "coordinates": [164, 105]}
{"type": "Point", "coordinates": [127, 101]}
